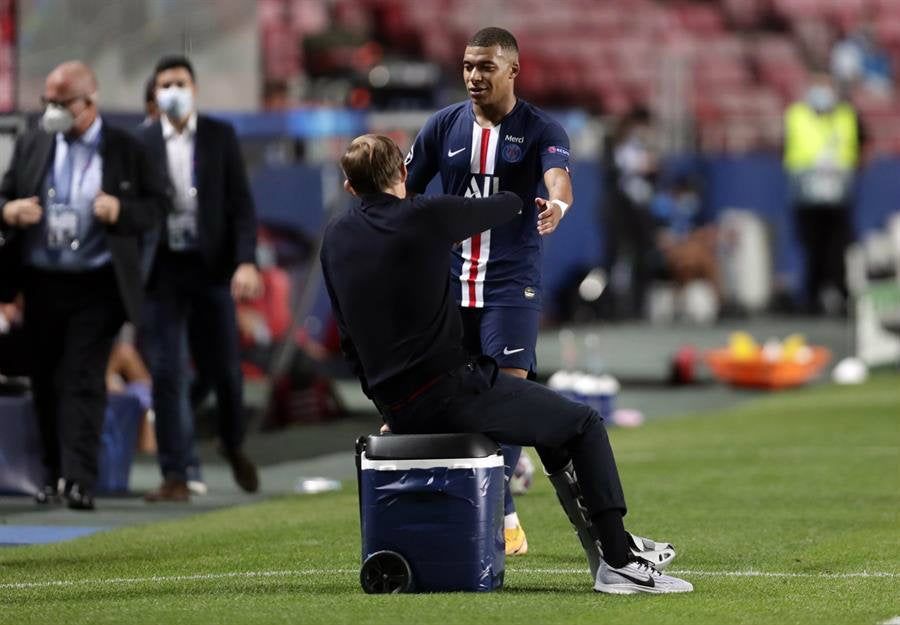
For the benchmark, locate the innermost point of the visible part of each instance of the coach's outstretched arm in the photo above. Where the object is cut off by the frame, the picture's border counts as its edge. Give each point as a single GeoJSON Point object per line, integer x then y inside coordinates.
{"type": "Point", "coordinates": [461, 217]}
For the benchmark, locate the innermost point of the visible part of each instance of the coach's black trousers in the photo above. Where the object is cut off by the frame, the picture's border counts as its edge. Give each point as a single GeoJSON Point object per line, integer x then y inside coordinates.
{"type": "Point", "coordinates": [71, 322]}
{"type": "Point", "coordinates": [477, 398]}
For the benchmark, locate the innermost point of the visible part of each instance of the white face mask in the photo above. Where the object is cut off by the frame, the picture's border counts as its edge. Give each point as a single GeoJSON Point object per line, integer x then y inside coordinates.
{"type": "Point", "coordinates": [57, 118]}
{"type": "Point", "coordinates": [176, 102]}
{"type": "Point", "coordinates": [821, 98]}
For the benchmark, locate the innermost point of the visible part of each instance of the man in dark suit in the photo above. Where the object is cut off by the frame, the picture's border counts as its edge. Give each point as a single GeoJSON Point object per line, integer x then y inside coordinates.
{"type": "Point", "coordinates": [205, 260]}
{"type": "Point", "coordinates": [76, 199]}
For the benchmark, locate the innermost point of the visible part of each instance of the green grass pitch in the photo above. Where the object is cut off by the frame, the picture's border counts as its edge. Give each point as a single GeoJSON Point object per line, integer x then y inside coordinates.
{"type": "Point", "coordinates": [785, 509]}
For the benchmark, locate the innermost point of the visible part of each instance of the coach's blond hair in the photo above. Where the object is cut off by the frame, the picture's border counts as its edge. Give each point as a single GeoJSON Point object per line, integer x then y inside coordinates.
{"type": "Point", "coordinates": [372, 163]}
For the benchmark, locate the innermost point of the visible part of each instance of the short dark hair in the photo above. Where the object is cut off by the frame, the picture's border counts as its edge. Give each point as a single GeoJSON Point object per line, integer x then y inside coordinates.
{"type": "Point", "coordinates": [493, 36]}
{"type": "Point", "coordinates": [372, 163]}
{"type": "Point", "coordinates": [174, 61]}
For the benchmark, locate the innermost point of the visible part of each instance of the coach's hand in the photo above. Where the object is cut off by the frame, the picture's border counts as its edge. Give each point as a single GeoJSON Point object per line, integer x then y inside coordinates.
{"type": "Point", "coordinates": [24, 212]}
{"type": "Point", "coordinates": [551, 213]}
{"type": "Point", "coordinates": [107, 208]}
{"type": "Point", "coordinates": [246, 284]}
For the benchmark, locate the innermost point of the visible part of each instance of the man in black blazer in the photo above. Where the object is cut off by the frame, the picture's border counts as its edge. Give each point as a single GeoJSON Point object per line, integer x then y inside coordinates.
{"type": "Point", "coordinates": [205, 260]}
{"type": "Point", "coordinates": [76, 199]}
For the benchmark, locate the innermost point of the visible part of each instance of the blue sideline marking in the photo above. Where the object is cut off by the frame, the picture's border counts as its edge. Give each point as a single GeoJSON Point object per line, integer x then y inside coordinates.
{"type": "Point", "coordinates": [12, 535]}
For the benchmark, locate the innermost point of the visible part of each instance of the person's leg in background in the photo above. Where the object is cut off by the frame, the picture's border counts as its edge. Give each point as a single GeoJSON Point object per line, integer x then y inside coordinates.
{"type": "Point", "coordinates": [165, 347]}
{"type": "Point", "coordinates": [809, 232]}
{"type": "Point", "coordinates": [97, 314]}
{"type": "Point", "coordinates": [216, 352]}
{"type": "Point", "coordinates": [44, 323]}
{"type": "Point", "coordinates": [839, 235]}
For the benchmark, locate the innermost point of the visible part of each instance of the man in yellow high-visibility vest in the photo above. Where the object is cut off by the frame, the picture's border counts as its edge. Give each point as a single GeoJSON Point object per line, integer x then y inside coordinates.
{"type": "Point", "coordinates": [821, 153]}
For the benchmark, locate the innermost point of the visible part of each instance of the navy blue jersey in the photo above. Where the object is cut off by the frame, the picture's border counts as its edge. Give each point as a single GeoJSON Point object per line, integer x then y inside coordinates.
{"type": "Point", "coordinates": [502, 266]}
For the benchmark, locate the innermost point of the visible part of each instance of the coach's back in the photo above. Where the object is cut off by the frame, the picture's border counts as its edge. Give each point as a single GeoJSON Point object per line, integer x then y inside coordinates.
{"type": "Point", "coordinates": [387, 270]}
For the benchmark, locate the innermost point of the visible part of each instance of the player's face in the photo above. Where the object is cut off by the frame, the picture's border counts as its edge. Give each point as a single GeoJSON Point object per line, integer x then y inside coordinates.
{"type": "Point", "coordinates": [489, 74]}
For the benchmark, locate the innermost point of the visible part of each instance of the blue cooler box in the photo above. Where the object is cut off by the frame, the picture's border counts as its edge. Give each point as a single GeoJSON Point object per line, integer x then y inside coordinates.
{"type": "Point", "coordinates": [431, 513]}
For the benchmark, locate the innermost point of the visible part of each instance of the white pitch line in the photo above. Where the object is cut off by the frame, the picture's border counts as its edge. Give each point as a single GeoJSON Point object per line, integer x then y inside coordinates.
{"type": "Point", "coordinates": [159, 579]}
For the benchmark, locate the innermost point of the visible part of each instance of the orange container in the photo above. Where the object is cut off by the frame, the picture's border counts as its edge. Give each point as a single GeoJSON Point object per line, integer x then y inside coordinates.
{"type": "Point", "coordinates": [761, 373]}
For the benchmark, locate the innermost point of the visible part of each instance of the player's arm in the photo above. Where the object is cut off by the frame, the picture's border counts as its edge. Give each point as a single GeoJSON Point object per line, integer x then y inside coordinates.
{"type": "Point", "coordinates": [458, 218]}
{"type": "Point", "coordinates": [554, 148]}
{"type": "Point", "coordinates": [559, 198]}
{"type": "Point", "coordinates": [423, 159]}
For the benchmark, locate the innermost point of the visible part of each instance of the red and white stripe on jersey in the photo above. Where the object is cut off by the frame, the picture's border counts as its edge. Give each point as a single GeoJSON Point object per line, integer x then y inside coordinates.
{"type": "Point", "coordinates": [477, 250]}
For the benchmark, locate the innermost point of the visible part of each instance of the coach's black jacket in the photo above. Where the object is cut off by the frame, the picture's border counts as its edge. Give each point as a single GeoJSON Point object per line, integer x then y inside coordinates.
{"type": "Point", "coordinates": [226, 218]}
{"type": "Point", "coordinates": [387, 269]}
{"type": "Point", "coordinates": [128, 174]}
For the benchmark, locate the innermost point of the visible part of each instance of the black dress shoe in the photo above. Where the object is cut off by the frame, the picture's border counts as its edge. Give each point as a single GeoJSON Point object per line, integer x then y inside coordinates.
{"type": "Point", "coordinates": [49, 493]}
{"type": "Point", "coordinates": [242, 469]}
{"type": "Point", "coordinates": [78, 497]}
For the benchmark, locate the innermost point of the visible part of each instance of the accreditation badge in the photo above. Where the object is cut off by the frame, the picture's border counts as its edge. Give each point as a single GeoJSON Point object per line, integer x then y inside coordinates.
{"type": "Point", "coordinates": [62, 227]}
{"type": "Point", "coordinates": [182, 230]}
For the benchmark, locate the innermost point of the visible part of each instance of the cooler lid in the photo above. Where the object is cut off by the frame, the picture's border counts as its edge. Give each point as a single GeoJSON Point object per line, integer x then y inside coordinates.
{"type": "Point", "coordinates": [431, 446]}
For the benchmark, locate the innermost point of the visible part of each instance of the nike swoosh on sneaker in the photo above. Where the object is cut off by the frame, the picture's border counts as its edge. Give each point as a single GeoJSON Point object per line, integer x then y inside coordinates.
{"type": "Point", "coordinates": [452, 153]}
{"type": "Point", "coordinates": [649, 583]}
{"type": "Point", "coordinates": [507, 351]}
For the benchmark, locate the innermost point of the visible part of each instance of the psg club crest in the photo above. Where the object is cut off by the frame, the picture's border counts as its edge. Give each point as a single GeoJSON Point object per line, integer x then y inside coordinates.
{"type": "Point", "coordinates": [512, 153]}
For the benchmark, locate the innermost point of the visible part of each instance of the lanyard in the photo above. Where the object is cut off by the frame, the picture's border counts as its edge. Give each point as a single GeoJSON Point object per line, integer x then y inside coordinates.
{"type": "Point", "coordinates": [69, 162]}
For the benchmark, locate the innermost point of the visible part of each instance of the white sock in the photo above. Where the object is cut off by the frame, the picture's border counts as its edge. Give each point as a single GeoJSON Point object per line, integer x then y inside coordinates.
{"type": "Point", "coordinates": [511, 521]}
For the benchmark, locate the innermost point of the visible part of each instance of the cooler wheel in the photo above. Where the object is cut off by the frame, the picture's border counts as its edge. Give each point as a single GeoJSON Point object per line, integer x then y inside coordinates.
{"type": "Point", "coordinates": [385, 572]}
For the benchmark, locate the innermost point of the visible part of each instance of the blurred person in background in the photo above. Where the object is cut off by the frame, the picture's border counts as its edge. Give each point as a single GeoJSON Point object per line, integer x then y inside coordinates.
{"type": "Point", "coordinates": [859, 60]}
{"type": "Point", "coordinates": [821, 154]}
{"type": "Point", "coordinates": [13, 348]}
{"type": "Point", "coordinates": [497, 142]}
{"type": "Point", "coordinates": [685, 236]}
{"type": "Point", "coordinates": [151, 108]}
{"type": "Point", "coordinates": [76, 198]}
{"type": "Point", "coordinates": [631, 165]}
{"type": "Point", "coordinates": [205, 261]}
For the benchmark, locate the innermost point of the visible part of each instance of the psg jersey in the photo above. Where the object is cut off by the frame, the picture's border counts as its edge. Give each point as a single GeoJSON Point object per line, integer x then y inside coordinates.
{"type": "Point", "coordinates": [502, 266]}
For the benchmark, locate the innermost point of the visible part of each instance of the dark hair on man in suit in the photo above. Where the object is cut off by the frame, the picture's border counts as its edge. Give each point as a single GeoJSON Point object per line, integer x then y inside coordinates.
{"type": "Point", "coordinates": [372, 163]}
{"type": "Point", "coordinates": [174, 61]}
{"type": "Point", "coordinates": [493, 36]}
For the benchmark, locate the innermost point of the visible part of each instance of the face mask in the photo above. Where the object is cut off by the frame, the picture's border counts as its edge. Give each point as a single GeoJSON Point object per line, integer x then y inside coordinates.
{"type": "Point", "coordinates": [175, 102]}
{"type": "Point", "coordinates": [821, 98]}
{"type": "Point", "coordinates": [57, 118]}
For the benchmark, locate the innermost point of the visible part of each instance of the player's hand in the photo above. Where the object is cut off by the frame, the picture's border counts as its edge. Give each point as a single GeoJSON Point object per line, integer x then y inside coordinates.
{"type": "Point", "coordinates": [24, 212]}
{"type": "Point", "coordinates": [107, 208]}
{"type": "Point", "coordinates": [549, 216]}
{"type": "Point", "coordinates": [385, 429]}
{"type": "Point", "coordinates": [246, 283]}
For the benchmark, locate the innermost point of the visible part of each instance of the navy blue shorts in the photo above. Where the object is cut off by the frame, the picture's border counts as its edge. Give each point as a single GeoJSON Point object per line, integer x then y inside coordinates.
{"type": "Point", "coordinates": [506, 334]}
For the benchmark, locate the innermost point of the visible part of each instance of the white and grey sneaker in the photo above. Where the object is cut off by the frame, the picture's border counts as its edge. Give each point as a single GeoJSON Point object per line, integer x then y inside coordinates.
{"type": "Point", "coordinates": [637, 576]}
{"type": "Point", "coordinates": [659, 554]}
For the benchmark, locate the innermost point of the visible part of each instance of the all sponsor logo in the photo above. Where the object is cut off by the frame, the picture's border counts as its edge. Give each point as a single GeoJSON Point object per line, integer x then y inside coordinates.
{"type": "Point", "coordinates": [489, 186]}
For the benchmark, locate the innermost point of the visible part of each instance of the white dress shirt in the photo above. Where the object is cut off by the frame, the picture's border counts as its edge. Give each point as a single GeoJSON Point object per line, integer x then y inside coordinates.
{"type": "Point", "coordinates": [182, 224]}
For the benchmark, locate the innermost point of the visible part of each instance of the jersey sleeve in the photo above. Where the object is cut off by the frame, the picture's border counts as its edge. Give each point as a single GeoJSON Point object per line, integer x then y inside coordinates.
{"type": "Point", "coordinates": [554, 148]}
{"type": "Point", "coordinates": [422, 161]}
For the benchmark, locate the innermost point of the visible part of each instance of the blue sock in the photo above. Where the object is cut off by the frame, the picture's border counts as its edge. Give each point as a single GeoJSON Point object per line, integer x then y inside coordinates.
{"type": "Point", "coordinates": [511, 455]}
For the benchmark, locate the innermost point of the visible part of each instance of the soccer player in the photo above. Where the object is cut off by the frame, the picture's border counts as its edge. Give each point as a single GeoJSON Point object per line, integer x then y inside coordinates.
{"type": "Point", "coordinates": [386, 266]}
{"type": "Point", "coordinates": [496, 142]}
